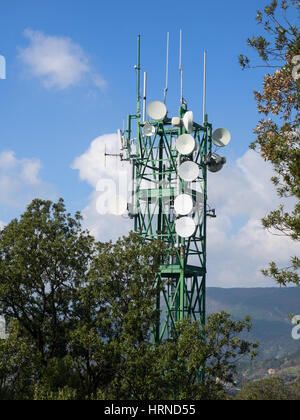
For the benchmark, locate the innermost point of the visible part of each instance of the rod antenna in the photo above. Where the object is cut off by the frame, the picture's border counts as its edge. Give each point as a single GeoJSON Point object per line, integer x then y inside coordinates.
{"type": "Point", "coordinates": [144, 96]}
{"type": "Point", "coordinates": [167, 68]}
{"type": "Point", "coordinates": [138, 69]}
{"type": "Point", "coordinates": [181, 69]}
{"type": "Point", "coordinates": [204, 88]}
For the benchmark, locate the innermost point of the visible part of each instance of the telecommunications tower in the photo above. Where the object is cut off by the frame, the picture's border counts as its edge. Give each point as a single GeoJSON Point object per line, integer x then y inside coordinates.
{"type": "Point", "coordinates": [170, 156]}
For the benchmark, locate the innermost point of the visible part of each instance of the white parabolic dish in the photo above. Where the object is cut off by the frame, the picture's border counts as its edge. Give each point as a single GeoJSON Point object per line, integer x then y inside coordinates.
{"type": "Point", "coordinates": [157, 110]}
{"type": "Point", "coordinates": [188, 121]}
{"type": "Point", "coordinates": [148, 130]}
{"type": "Point", "coordinates": [185, 227]}
{"type": "Point", "coordinates": [188, 171]}
{"type": "Point", "coordinates": [185, 144]}
{"type": "Point", "coordinates": [183, 204]}
{"type": "Point", "coordinates": [221, 137]}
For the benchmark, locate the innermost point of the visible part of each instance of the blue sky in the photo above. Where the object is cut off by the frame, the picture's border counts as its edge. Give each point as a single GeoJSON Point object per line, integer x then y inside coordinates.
{"type": "Point", "coordinates": [49, 119]}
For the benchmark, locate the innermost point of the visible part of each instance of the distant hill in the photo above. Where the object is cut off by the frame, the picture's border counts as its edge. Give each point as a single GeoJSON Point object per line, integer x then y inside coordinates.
{"type": "Point", "coordinates": [287, 368]}
{"type": "Point", "coordinates": [269, 309]}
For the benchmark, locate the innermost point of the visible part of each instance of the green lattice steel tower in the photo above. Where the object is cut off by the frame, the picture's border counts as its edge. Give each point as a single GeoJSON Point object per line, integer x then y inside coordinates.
{"type": "Point", "coordinates": [156, 168]}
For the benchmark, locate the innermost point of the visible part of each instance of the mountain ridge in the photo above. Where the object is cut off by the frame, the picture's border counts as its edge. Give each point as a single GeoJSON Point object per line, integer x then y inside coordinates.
{"type": "Point", "coordinates": [269, 309]}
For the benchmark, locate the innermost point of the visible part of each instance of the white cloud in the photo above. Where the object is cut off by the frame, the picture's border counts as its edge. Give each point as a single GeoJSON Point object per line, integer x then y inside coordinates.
{"type": "Point", "coordinates": [238, 246]}
{"type": "Point", "coordinates": [101, 172]}
{"type": "Point", "coordinates": [259, 244]}
{"type": "Point", "coordinates": [242, 193]}
{"type": "Point", "coordinates": [104, 227]}
{"type": "Point", "coordinates": [20, 182]}
{"type": "Point", "coordinates": [30, 171]}
{"type": "Point", "coordinates": [2, 225]}
{"type": "Point", "coordinates": [7, 160]}
{"type": "Point", "coordinates": [243, 187]}
{"type": "Point", "coordinates": [58, 61]}
{"type": "Point", "coordinates": [93, 164]}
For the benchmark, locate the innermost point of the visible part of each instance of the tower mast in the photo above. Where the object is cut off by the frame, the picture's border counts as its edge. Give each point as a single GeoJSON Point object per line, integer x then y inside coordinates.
{"type": "Point", "coordinates": [169, 201]}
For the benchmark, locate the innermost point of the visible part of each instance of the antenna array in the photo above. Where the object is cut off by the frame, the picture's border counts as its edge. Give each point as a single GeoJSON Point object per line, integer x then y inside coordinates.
{"type": "Point", "coordinates": [169, 199]}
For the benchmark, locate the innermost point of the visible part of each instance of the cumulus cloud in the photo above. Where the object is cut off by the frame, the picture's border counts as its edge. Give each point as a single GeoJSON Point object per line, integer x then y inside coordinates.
{"type": "Point", "coordinates": [104, 227]}
{"type": "Point", "coordinates": [109, 178]}
{"type": "Point", "coordinates": [243, 187]}
{"type": "Point", "coordinates": [20, 182]}
{"type": "Point", "coordinates": [93, 165]}
{"type": "Point", "coordinates": [238, 246]}
{"type": "Point", "coordinates": [57, 61]}
{"type": "Point", "coordinates": [242, 193]}
{"type": "Point", "coordinates": [7, 160]}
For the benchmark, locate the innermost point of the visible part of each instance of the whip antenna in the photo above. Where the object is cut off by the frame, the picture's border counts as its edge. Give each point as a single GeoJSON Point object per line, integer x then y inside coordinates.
{"type": "Point", "coordinates": [181, 69]}
{"type": "Point", "coordinates": [204, 88]}
{"type": "Point", "coordinates": [144, 96]}
{"type": "Point", "coordinates": [167, 68]}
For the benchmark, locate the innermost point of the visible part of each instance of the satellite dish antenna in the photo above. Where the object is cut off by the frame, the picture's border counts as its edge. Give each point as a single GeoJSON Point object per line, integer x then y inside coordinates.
{"type": "Point", "coordinates": [148, 130]}
{"type": "Point", "coordinates": [157, 110]}
{"type": "Point", "coordinates": [185, 227]}
{"type": "Point", "coordinates": [221, 137]}
{"type": "Point", "coordinates": [188, 121]}
{"type": "Point", "coordinates": [183, 204]}
{"type": "Point", "coordinates": [118, 205]}
{"type": "Point", "coordinates": [185, 144]}
{"type": "Point", "coordinates": [188, 171]}
{"type": "Point", "coordinates": [215, 162]}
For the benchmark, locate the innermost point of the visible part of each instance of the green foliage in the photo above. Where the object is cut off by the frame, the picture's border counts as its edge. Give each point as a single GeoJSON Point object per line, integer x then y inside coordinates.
{"type": "Point", "coordinates": [19, 365]}
{"type": "Point", "coordinates": [42, 393]}
{"type": "Point", "coordinates": [211, 351]}
{"type": "Point", "coordinates": [80, 316]}
{"type": "Point", "coordinates": [280, 35]}
{"type": "Point", "coordinates": [278, 136]}
{"type": "Point", "coordinates": [295, 390]}
{"type": "Point", "coordinates": [44, 259]}
{"type": "Point", "coordinates": [271, 389]}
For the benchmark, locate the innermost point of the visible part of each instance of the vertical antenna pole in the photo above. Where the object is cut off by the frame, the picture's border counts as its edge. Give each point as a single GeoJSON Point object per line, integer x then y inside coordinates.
{"type": "Point", "coordinates": [167, 68]}
{"type": "Point", "coordinates": [204, 88]}
{"type": "Point", "coordinates": [181, 69]}
{"type": "Point", "coordinates": [144, 96]}
{"type": "Point", "coordinates": [138, 104]}
{"type": "Point", "coordinates": [138, 68]}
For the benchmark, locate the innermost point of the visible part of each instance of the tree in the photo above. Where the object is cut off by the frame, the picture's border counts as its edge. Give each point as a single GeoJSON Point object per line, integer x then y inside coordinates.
{"type": "Point", "coordinates": [271, 389]}
{"type": "Point", "coordinates": [112, 347]}
{"type": "Point", "coordinates": [295, 390]}
{"type": "Point", "coordinates": [80, 316]}
{"type": "Point", "coordinates": [278, 136]}
{"type": "Point", "coordinates": [211, 351]}
{"type": "Point", "coordinates": [19, 365]}
{"type": "Point", "coordinates": [44, 257]}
